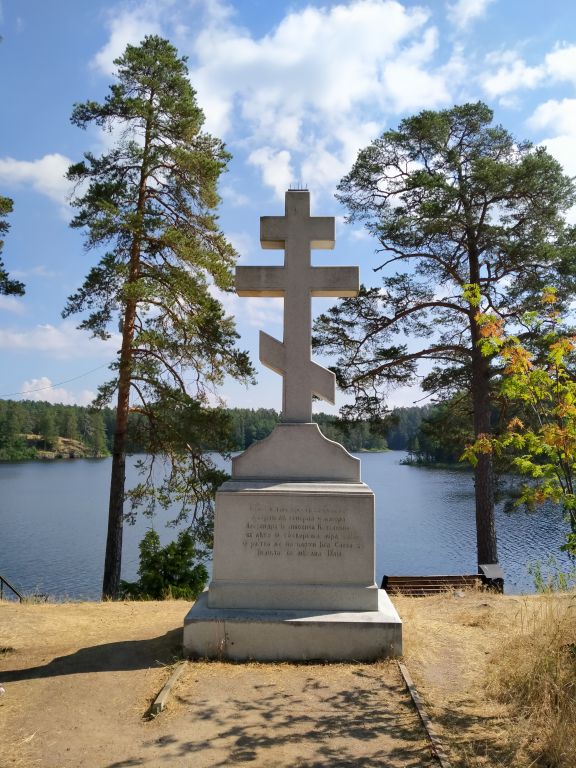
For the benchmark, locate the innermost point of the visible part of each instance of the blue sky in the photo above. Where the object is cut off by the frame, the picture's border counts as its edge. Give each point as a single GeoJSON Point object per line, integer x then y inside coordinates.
{"type": "Point", "coordinates": [295, 89]}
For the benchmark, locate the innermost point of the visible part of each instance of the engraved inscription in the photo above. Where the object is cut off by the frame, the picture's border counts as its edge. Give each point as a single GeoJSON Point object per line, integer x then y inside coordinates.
{"type": "Point", "coordinates": [273, 530]}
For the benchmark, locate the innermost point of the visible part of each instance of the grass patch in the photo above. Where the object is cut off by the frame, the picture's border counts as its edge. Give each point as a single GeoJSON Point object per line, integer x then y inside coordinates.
{"type": "Point", "coordinates": [534, 673]}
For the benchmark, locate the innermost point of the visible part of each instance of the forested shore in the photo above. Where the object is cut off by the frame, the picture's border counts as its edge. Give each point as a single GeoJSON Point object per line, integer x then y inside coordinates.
{"type": "Point", "coordinates": [40, 430]}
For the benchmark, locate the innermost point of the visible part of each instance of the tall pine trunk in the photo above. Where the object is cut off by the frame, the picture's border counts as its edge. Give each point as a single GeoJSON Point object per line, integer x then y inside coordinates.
{"type": "Point", "coordinates": [484, 470]}
{"type": "Point", "coordinates": [486, 548]}
{"type": "Point", "coordinates": [113, 558]}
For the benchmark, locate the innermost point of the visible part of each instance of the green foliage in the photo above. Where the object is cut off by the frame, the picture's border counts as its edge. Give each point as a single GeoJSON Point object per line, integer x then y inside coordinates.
{"type": "Point", "coordinates": [167, 572]}
{"type": "Point", "coordinates": [12, 445]}
{"type": "Point", "coordinates": [8, 286]}
{"type": "Point", "coordinates": [544, 443]}
{"type": "Point", "coordinates": [48, 429]}
{"type": "Point", "coordinates": [96, 437]}
{"type": "Point", "coordinates": [189, 477]}
{"type": "Point", "coordinates": [403, 426]}
{"type": "Point", "coordinates": [249, 425]}
{"type": "Point", "coordinates": [443, 432]}
{"type": "Point", "coordinates": [471, 294]}
{"type": "Point", "coordinates": [69, 427]}
{"type": "Point", "coordinates": [356, 435]}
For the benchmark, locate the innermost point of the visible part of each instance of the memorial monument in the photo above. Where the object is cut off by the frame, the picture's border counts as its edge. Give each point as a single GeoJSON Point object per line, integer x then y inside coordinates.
{"type": "Point", "coordinates": [293, 565]}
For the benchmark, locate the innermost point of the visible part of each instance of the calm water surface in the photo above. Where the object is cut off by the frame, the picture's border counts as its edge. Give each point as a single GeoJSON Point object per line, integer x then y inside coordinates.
{"type": "Point", "coordinates": [53, 525]}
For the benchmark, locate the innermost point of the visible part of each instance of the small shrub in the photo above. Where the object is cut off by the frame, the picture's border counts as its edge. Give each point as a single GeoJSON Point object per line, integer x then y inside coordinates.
{"type": "Point", "coordinates": [167, 572]}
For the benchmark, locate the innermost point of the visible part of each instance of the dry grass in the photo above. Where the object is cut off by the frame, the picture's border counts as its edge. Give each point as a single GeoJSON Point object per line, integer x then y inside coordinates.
{"type": "Point", "coordinates": [535, 675]}
{"type": "Point", "coordinates": [448, 642]}
{"type": "Point", "coordinates": [497, 673]}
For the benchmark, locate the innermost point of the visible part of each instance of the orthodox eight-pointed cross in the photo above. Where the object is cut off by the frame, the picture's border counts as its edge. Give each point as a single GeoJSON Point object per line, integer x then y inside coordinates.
{"type": "Point", "coordinates": [297, 233]}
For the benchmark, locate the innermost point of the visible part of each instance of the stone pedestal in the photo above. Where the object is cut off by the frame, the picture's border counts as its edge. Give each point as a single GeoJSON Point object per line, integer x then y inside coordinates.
{"type": "Point", "coordinates": [293, 569]}
{"type": "Point", "coordinates": [294, 546]}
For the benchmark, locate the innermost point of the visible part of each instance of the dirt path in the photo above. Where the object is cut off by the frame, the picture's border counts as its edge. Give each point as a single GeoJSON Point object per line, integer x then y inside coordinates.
{"type": "Point", "coordinates": [79, 679]}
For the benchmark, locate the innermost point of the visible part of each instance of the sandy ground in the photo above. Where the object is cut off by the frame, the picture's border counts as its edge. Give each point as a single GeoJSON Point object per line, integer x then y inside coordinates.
{"type": "Point", "coordinates": [79, 679]}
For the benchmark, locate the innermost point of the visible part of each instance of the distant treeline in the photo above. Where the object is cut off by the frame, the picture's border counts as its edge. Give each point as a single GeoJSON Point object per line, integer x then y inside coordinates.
{"type": "Point", "coordinates": [249, 425]}
{"type": "Point", "coordinates": [30, 429]}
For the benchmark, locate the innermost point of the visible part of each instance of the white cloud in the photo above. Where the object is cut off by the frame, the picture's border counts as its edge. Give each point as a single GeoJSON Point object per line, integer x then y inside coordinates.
{"type": "Point", "coordinates": [559, 118]}
{"type": "Point", "coordinates": [358, 234]}
{"type": "Point", "coordinates": [322, 168]}
{"type": "Point", "coordinates": [561, 63]}
{"type": "Point", "coordinates": [63, 342]}
{"type": "Point", "coordinates": [256, 311]}
{"type": "Point", "coordinates": [262, 312]}
{"type": "Point", "coordinates": [304, 95]}
{"type": "Point", "coordinates": [301, 99]}
{"type": "Point", "coordinates": [562, 148]}
{"type": "Point", "coordinates": [463, 12]}
{"type": "Point", "coordinates": [129, 25]}
{"type": "Point", "coordinates": [12, 304]}
{"type": "Point", "coordinates": [406, 397]}
{"type": "Point", "coordinates": [233, 197]}
{"type": "Point", "coordinates": [426, 89]}
{"type": "Point", "coordinates": [40, 270]}
{"type": "Point", "coordinates": [46, 176]}
{"type": "Point", "coordinates": [276, 168]}
{"type": "Point", "coordinates": [243, 244]}
{"type": "Point", "coordinates": [42, 390]}
{"type": "Point", "coordinates": [508, 72]}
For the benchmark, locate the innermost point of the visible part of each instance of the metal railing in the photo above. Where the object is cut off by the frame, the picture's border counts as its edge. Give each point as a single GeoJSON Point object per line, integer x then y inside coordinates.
{"type": "Point", "coordinates": [3, 582]}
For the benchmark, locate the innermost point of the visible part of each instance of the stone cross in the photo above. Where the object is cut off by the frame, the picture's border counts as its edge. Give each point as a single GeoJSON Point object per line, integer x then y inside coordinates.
{"type": "Point", "coordinates": [297, 233]}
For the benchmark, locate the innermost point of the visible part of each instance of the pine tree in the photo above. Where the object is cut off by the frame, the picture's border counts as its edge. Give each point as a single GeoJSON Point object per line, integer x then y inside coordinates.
{"type": "Point", "coordinates": [149, 202]}
{"type": "Point", "coordinates": [475, 218]}
{"type": "Point", "coordinates": [48, 431]}
{"type": "Point", "coordinates": [97, 441]}
{"type": "Point", "coordinates": [70, 423]}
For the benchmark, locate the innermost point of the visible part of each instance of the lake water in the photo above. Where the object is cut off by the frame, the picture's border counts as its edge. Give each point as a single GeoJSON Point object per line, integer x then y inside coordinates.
{"type": "Point", "coordinates": [53, 526]}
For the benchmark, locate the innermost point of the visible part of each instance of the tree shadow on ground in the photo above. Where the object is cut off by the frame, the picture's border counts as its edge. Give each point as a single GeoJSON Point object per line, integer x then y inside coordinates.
{"type": "Point", "coordinates": [365, 719]}
{"type": "Point", "coordinates": [121, 656]}
{"type": "Point", "coordinates": [476, 739]}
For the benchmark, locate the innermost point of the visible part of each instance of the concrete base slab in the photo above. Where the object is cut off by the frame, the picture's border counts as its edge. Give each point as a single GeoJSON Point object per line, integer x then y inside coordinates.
{"type": "Point", "coordinates": [288, 635]}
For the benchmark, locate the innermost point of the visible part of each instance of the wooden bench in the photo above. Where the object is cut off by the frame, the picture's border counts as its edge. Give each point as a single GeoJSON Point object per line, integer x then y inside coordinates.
{"type": "Point", "coordinates": [429, 585]}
